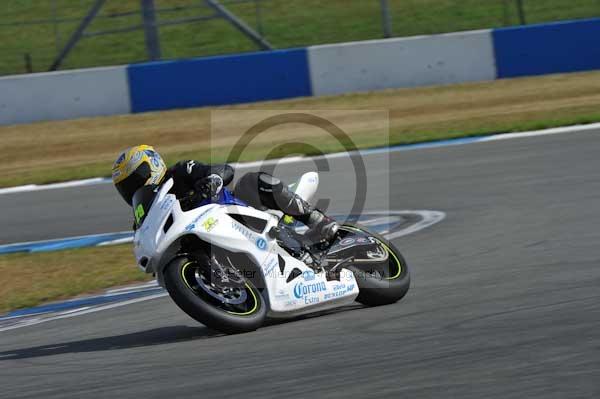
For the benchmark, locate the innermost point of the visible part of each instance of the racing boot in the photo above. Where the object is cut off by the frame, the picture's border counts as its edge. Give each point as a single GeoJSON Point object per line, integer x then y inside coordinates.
{"type": "Point", "coordinates": [320, 226]}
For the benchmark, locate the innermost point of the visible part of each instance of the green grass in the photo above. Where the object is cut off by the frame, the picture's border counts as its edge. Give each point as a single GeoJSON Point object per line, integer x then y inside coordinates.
{"type": "Point", "coordinates": [362, 141]}
{"type": "Point", "coordinates": [285, 23]}
{"type": "Point", "coordinates": [31, 279]}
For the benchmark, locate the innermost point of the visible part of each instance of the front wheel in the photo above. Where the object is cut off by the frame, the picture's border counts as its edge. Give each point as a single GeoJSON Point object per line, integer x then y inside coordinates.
{"type": "Point", "coordinates": [232, 309]}
{"type": "Point", "coordinates": [382, 278]}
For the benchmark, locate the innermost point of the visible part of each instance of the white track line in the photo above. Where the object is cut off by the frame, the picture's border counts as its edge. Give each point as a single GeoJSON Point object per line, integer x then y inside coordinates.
{"type": "Point", "coordinates": [92, 310]}
{"type": "Point", "coordinates": [443, 143]}
{"type": "Point", "coordinates": [150, 284]}
{"type": "Point", "coordinates": [56, 240]}
{"type": "Point", "coordinates": [125, 240]}
{"type": "Point", "coordinates": [429, 219]}
{"type": "Point", "coordinates": [546, 132]}
{"type": "Point", "coordinates": [42, 187]}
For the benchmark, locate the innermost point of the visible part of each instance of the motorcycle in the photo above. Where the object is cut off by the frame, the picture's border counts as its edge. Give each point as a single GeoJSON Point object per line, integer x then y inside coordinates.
{"type": "Point", "coordinates": [230, 266]}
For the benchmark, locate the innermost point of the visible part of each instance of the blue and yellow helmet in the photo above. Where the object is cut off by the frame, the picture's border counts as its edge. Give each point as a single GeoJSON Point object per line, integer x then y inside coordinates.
{"type": "Point", "coordinates": [137, 167]}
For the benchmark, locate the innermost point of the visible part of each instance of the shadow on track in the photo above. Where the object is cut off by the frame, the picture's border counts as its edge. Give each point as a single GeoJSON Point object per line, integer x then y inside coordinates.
{"type": "Point", "coordinates": [157, 336]}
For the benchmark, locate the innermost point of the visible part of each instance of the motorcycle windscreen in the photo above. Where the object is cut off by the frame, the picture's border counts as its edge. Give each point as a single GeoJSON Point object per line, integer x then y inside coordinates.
{"type": "Point", "coordinates": [142, 201]}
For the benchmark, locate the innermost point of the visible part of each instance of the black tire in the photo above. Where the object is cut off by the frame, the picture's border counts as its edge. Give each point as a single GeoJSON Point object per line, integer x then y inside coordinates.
{"type": "Point", "coordinates": [384, 288]}
{"type": "Point", "coordinates": [206, 313]}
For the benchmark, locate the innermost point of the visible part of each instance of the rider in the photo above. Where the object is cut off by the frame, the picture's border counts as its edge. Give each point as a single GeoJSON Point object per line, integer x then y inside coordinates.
{"type": "Point", "coordinates": [141, 165]}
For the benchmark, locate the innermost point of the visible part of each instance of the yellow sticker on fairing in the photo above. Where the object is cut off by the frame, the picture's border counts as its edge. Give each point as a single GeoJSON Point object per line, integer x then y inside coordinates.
{"type": "Point", "coordinates": [139, 213]}
{"type": "Point", "coordinates": [209, 224]}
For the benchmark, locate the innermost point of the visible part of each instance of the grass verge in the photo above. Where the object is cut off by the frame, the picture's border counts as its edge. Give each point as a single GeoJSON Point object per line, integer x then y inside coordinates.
{"type": "Point", "coordinates": [31, 279]}
{"type": "Point", "coordinates": [66, 150]}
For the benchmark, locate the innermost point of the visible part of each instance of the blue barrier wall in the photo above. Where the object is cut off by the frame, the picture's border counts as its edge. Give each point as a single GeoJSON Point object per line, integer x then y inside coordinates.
{"type": "Point", "coordinates": [219, 80]}
{"type": "Point", "coordinates": [549, 48]}
{"type": "Point", "coordinates": [568, 46]}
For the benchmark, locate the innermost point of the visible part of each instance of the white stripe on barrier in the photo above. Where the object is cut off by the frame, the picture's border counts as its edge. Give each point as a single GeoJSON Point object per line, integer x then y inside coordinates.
{"type": "Point", "coordinates": [402, 62]}
{"type": "Point", "coordinates": [64, 95]}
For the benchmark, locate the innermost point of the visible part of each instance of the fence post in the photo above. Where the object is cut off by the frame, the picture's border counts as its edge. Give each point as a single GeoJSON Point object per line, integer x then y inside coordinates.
{"type": "Point", "coordinates": [521, 11]}
{"type": "Point", "coordinates": [55, 24]}
{"type": "Point", "coordinates": [259, 21]}
{"type": "Point", "coordinates": [28, 63]}
{"type": "Point", "coordinates": [77, 35]}
{"type": "Point", "coordinates": [386, 18]}
{"type": "Point", "coordinates": [506, 12]}
{"type": "Point", "coordinates": [239, 24]}
{"type": "Point", "coordinates": [150, 30]}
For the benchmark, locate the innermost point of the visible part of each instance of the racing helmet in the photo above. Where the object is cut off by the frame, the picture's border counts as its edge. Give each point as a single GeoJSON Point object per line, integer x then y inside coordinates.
{"type": "Point", "coordinates": [137, 167]}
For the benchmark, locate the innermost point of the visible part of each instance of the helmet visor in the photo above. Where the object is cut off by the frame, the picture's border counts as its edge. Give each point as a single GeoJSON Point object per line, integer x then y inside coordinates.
{"type": "Point", "coordinates": [133, 182]}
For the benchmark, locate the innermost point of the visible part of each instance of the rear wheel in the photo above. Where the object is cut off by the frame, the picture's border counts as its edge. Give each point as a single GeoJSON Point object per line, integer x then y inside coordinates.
{"type": "Point", "coordinates": [231, 305]}
{"type": "Point", "coordinates": [381, 282]}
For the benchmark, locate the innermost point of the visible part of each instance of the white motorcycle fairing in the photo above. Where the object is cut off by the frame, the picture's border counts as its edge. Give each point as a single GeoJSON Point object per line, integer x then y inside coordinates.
{"type": "Point", "coordinates": [291, 287]}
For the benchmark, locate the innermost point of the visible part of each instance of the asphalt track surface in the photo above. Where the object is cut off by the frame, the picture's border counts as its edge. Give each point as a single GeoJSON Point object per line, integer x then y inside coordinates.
{"type": "Point", "coordinates": [504, 301]}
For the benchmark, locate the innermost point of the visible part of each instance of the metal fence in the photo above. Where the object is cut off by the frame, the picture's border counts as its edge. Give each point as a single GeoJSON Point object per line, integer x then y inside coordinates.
{"type": "Point", "coordinates": [41, 35]}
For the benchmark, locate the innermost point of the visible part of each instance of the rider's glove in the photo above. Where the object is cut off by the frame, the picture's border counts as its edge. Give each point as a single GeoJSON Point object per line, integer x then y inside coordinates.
{"type": "Point", "coordinates": [210, 187]}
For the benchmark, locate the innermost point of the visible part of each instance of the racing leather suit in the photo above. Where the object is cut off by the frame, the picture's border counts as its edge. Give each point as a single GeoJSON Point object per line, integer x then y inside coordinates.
{"type": "Point", "coordinates": [260, 190]}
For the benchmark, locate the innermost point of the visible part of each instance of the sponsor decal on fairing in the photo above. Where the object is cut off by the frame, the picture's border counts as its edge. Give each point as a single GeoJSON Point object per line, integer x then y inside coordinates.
{"type": "Point", "coordinates": [261, 243]}
{"type": "Point", "coordinates": [308, 291]}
